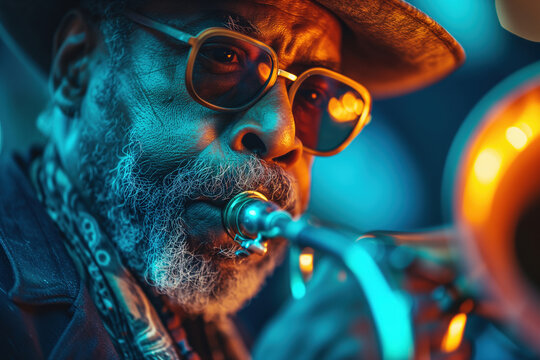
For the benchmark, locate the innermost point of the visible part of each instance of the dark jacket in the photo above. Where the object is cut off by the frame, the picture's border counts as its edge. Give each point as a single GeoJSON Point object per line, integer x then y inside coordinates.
{"type": "Point", "coordinates": [45, 310]}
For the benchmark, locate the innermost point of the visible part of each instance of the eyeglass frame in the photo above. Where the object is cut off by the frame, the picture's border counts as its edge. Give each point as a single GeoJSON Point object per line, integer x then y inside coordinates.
{"type": "Point", "coordinates": [195, 43]}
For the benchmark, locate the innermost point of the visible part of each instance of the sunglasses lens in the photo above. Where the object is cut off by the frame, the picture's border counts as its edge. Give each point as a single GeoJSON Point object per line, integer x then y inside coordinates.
{"type": "Point", "coordinates": [326, 112]}
{"type": "Point", "coordinates": [230, 72]}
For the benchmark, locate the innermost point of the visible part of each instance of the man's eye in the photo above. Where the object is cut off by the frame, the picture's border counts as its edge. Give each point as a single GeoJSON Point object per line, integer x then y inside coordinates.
{"type": "Point", "coordinates": [225, 56]}
{"type": "Point", "coordinates": [221, 55]}
{"type": "Point", "coordinates": [314, 97]}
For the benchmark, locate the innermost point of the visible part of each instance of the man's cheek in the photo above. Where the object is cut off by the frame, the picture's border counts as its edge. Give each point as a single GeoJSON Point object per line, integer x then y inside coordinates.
{"type": "Point", "coordinates": [172, 135]}
{"type": "Point", "coordinates": [167, 146]}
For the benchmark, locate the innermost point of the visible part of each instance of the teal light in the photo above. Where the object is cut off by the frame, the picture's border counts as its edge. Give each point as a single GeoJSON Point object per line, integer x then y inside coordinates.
{"type": "Point", "coordinates": [473, 23]}
{"type": "Point", "coordinates": [389, 308]}
{"type": "Point", "coordinates": [298, 287]}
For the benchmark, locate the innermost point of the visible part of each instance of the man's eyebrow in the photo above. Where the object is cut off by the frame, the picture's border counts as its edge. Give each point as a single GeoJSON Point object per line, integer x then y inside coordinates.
{"type": "Point", "coordinates": [240, 24]}
{"type": "Point", "coordinates": [222, 18]}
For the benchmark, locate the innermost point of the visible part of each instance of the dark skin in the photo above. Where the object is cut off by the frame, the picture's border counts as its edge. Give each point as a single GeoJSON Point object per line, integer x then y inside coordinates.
{"type": "Point", "coordinates": [168, 123]}
{"type": "Point", "coordinates": [172, 127]}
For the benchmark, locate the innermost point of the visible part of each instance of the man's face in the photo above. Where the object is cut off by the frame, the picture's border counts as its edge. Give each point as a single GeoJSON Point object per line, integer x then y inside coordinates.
{"type": "Point", "coordinates": [180, 161]}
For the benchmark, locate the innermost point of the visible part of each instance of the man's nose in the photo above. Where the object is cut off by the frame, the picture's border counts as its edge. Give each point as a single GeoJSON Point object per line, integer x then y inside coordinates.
{"type": "Point", "coordinates": [267, 129]}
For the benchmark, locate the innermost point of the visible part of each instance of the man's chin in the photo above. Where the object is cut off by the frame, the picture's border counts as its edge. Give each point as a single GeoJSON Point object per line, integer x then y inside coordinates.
{"type": "Point", "coordinates": [230, 292]}
{"type": "Point", "coordinates": [236, 280]}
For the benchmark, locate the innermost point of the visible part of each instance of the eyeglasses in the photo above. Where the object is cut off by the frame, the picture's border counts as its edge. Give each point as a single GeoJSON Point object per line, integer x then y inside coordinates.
{"type": "Point", "coordinates": [229, 72]}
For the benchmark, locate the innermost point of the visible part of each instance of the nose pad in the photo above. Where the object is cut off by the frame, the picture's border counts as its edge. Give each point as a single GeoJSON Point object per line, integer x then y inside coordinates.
{"type": "Point", "coordinates": [267, 129]}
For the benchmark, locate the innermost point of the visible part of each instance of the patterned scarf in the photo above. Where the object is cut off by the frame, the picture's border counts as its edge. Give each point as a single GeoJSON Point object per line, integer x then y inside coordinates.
{"type": "Point", "coordinates": [126, 311]}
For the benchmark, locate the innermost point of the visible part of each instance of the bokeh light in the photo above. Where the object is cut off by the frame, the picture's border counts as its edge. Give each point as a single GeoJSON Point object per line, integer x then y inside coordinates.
{"type": "Point", "coordinates": [487, 165]}
{"type": "Point", "coordinates": [516, 137]}
{"type": "Point", "coordinates": [454, 334]}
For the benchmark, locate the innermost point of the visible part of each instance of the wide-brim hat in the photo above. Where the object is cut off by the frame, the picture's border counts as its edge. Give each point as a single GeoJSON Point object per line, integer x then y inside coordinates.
{"type": "Point", "coordinates": [388, 45]}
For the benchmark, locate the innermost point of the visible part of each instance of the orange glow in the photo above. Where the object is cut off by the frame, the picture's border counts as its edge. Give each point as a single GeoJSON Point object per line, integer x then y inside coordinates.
{"type": "Point", "coordinates": [506, 133]}
{"type": "Point", "coordinates": [516, 137]}
{"type": "Point", "coordinates": [306, 261]}
{"type": "Point", "coordinates": [264, 71]}
{"type": "Point", "coordinates": [347, 108]}
{"type": "Point", "coordinates": [487, 214]}
{"type": "Point", "coordinates": [487, 165]}
{"type": "Point", "coordinates": [358, 107]}
{"type": "Point", "coordinates": [454, 334]}
{"type": "Point", "coordinates": [334, 108]}
{"type": "Point", "coordinates": [348, 100]}
{"type": "Point", "coordinates": [526, 129]}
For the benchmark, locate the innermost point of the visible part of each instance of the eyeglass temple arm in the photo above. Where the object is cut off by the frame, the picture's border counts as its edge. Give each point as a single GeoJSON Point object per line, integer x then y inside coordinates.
{"type": "Point", "coordinates": [182, 36]}
{"type": "Point", "coordinates": [168, 30]}
{"type": "Point", "coordinates": [287, 75]}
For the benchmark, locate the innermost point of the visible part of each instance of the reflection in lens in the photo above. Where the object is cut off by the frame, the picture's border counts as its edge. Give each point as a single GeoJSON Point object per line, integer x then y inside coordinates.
{"type": "Point", "coordinates": [264, 71]}
{"type": "Point", "coordinates": [347, 108]}
{"type": "Point", "coordinates": [230, 72]}
{"type": "Point", "coordinates": [326, 112]}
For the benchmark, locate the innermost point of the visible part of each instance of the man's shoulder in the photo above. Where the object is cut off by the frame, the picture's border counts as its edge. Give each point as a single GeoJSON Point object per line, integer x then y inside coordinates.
{"type": "Point", "coordinates": [45, 308]}
{"type": "Point", "coordinates": [31, 289]}
{"type": "Point", "coordinates": [31, 242]}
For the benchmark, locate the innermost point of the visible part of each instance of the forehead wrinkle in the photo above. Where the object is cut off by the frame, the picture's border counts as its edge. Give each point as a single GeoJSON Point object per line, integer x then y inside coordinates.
{"type": "Point", "coordinates": [303, 51]}
{"type": "Point", "coordinates": [322, 20]}
{"type": "Point", "coordinates": [296, 39]}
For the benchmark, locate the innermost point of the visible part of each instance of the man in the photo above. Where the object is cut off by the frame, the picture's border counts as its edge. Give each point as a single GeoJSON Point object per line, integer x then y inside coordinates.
{"type": "Point", "coordinates": [152, 130]}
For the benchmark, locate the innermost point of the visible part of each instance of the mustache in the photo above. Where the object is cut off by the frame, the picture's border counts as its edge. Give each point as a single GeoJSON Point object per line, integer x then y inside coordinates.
{"type": "Point", "coordinates": [221, 182]}
{"type": "Point", "coordinates": [201, 179]}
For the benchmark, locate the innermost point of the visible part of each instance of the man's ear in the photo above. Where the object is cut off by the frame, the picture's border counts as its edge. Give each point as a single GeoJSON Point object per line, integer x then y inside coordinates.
{"type": "Point", "coordinates": [73, 42]}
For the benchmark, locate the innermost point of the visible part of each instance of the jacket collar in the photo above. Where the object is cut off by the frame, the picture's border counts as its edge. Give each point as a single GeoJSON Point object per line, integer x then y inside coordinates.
{"type": "Point", "coordinates": [42, 269]}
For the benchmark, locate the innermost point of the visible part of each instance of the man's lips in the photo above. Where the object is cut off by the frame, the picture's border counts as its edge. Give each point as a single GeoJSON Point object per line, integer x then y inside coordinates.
{"type": "Point", "coordinates": [221, 247]}
{"type": "Point", "coordinates": [222, 203]}
{"type": "Point", "coordinates": [219, 203]}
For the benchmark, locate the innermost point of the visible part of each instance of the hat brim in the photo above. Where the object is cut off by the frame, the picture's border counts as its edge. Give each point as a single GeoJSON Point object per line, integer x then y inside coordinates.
{"type": "Point", "coordinates": [388, 45]}
{"type": "Point", "coordinates": [392, 47]}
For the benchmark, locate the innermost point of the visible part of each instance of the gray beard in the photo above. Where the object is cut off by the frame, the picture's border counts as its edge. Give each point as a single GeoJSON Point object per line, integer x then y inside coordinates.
{"type": "Point", "coordinates": [144, 214]}
{"type": "Point", "coordinates": [149, 228]}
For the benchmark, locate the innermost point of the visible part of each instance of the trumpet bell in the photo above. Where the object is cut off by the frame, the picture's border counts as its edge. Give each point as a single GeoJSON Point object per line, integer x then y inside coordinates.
{"type": "Point", "coordinates": [496, 201]}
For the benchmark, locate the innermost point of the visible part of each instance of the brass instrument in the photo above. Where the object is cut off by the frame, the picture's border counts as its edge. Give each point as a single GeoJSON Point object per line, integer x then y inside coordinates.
{"type": "Point", "coordinates": [496, 202]}
{"type": "Point", "coordinates": [488, 261]}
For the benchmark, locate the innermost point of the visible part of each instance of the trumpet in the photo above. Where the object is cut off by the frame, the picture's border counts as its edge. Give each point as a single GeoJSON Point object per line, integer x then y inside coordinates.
{"type": "Point", "coordinates": [252, 219]}
{"type": "Point", "coordinates": [488, 259]}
